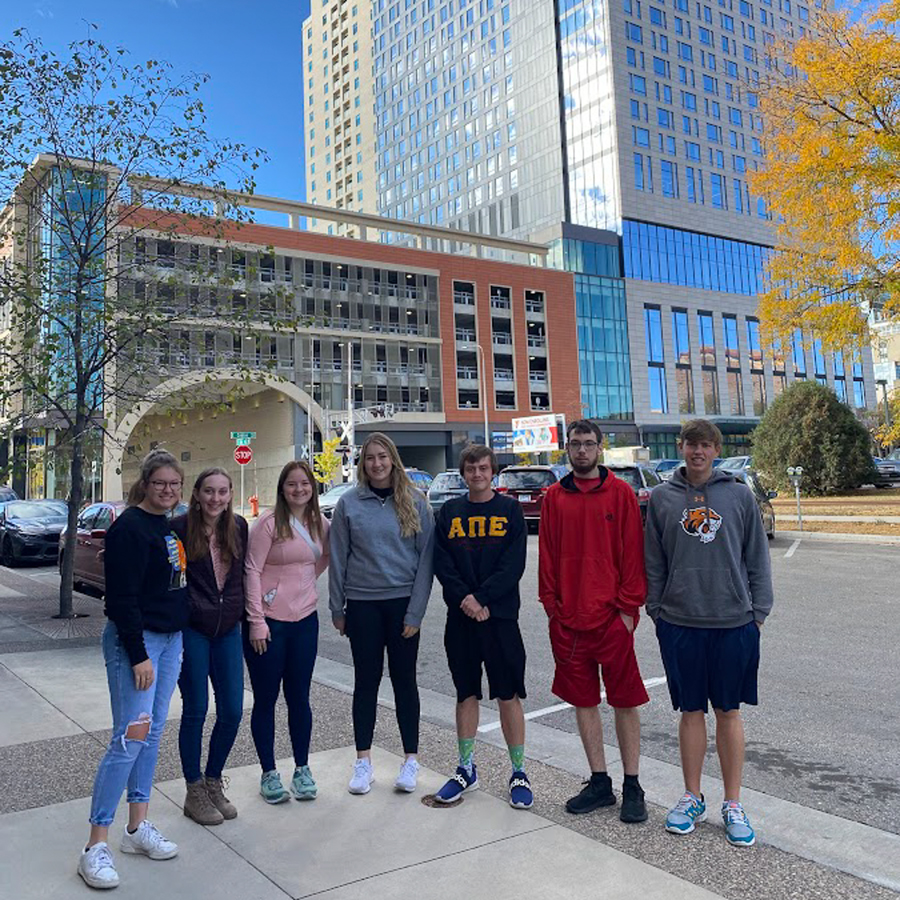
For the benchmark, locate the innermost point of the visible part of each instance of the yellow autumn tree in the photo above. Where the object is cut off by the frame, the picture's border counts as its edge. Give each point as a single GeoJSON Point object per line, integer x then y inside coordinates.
{"type": "Point", "coordinates": [327, 463]}
{"type": "Point", "coordinates": [831, 112]}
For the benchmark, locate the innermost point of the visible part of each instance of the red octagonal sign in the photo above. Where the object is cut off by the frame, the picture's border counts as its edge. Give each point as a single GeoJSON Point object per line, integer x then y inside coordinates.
{"type": "Point", "coordinates": [242, 454]}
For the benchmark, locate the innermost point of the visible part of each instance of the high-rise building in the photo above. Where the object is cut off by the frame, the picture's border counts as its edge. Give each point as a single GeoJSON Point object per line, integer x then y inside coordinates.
{"type": "Point", "coordinates": [622, 132]}
{"type": "Point", "coordinates": [338, 109]}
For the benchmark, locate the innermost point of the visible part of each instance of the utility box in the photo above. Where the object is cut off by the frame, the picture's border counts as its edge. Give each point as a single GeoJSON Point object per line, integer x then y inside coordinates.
{"type": "Point", "coordinates": [626, 455]}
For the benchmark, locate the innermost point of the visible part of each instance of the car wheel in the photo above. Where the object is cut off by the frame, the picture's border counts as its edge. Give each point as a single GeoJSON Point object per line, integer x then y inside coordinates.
{"type": "Point", "coordinates": [7, 554]}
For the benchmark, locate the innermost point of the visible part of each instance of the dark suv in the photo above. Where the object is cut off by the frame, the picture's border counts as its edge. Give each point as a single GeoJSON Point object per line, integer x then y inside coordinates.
{"type": "Point", "coordinates": [528, 484]}
{"type": "Point", "coordinates": [642, 480]}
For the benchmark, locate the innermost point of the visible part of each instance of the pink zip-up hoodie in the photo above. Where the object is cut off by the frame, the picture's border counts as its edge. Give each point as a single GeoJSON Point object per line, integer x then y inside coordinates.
{"type": "Point", "coordinates": [287, 568]}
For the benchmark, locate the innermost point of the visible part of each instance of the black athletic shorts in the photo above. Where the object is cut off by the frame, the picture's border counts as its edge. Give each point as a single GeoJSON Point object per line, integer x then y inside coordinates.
{"type": "Point", "coordinates": [496, 644]}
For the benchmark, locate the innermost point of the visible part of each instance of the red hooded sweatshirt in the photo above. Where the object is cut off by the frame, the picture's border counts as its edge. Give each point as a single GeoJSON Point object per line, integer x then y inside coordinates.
{"type": "Point", "coordinates": [591, 552]}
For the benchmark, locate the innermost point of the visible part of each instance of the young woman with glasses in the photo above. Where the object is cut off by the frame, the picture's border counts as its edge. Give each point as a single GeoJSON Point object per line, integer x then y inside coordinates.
{"type": "Point", "coordinates": [146, 604]}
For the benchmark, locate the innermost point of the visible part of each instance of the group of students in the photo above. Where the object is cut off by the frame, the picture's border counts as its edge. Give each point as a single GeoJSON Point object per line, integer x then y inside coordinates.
{"type": "Point", "coordinates": [191, 599]}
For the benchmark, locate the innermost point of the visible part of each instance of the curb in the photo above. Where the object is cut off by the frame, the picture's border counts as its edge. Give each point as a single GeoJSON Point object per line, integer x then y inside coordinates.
{"type": "Point", "coordinates": [837, 537]}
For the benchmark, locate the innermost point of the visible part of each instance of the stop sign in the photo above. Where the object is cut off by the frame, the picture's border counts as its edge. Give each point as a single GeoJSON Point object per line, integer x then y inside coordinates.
{"type": "Point", "coordinates": [242, 454]}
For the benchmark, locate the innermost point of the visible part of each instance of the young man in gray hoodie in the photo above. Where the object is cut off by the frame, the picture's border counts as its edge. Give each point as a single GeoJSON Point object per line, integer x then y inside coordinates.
{"type": "Point", "coordinates": [709, 590]}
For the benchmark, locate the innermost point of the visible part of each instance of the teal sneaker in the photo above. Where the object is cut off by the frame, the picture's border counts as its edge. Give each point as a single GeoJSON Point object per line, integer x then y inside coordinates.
{"type": "Point", "coordinates": [303, 787]}
{"type": "Point", "coordinates": [272, 789]}
{"type": "Point", "coordinates": [689, 810]}
{"type": "Point", "coordinates": [737, 826]}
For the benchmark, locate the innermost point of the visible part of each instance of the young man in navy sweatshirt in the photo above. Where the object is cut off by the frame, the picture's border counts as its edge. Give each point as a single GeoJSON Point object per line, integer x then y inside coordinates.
{"type": "Point", "coordinates": [709, 590]}
{"type": "Point", "coordinates": [479, 558]}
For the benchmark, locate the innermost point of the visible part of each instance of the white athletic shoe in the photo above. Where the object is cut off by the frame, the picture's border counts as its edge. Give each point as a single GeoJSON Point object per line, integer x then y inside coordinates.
{"type": "Point", "coordinates": [149, 841]}
{"type": "Point", "coordinates": [97, 868]}
{"type": "Point", "coordinates": [363, 776]}
{"type": "Point", "coordinates": [406, 780]}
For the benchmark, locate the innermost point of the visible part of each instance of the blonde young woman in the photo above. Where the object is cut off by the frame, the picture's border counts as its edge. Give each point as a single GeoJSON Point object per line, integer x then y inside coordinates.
{"type": "Point", "coordinates": [147, 606]}
{"type": "Point", "coordinates": [288, 551]}
{"type": "Point", "coordinates": [379, 585]}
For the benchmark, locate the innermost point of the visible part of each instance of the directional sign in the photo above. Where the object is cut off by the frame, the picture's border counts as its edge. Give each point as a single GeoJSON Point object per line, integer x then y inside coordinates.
{"type": "Point", "coordinates": [242, 454]}
{"type": "Point", "coordinates": [243, 437]}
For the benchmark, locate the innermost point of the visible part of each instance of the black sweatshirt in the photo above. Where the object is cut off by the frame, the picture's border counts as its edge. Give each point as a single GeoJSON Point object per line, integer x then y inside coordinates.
{"type": "Point", "coordinates": [480, 549]}
{"type": "Point", "coordinates": [146, 587]}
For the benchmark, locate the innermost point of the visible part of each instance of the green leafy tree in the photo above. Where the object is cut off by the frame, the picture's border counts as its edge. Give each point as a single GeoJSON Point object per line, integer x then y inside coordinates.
{"type": "Point", "coordinates": [327, 463]}
{"type": "Point", "coordinates": [808, 426]}
{"type": "Point", "coordinates": [100, 158]}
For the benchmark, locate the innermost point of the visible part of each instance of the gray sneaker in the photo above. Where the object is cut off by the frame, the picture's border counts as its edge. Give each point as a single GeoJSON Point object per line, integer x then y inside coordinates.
{"type": "Point", "coordinates": [148, 840]}
{"type": "Point", "coordinates": [97, 868]}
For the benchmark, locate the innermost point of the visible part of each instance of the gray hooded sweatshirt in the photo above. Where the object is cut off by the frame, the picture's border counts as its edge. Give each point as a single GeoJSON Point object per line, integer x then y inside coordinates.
{"type": "Point", "coordinates": [371, 560]}
{"type": "Point", "coordinates": [706, 554]}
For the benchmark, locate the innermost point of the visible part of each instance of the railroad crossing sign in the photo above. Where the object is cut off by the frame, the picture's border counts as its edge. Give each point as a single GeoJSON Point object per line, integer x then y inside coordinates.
{"type": "Point", "coordinates": [242, 454]}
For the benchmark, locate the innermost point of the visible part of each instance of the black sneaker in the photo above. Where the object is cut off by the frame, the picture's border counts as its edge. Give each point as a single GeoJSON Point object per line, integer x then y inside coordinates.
{"type": "Point", "coordinates": [596, 792]}
{"type": "Point", "coordinates": [633, 806]}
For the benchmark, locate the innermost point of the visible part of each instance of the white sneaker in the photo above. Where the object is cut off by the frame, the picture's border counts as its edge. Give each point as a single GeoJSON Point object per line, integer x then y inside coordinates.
{"type": "Point", "coordinates": [97, 868]}
{"type": "Point", "coordinates": [149, 841]}
{"type": "Point", "coordinates": [406, 780]}
{"type": "Point", "coordinates": [363, 776]}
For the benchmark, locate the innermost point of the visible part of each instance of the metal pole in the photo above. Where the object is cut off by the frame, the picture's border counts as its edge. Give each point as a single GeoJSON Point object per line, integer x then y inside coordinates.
{"type": "Point", "coordinates": [242, 489]}
{"type": "Point", "coordinates": [351, 436]}
{"type": "Point", "coordinates": [309, 420]}
{"type": "Point", "coordinates": [799, 512]}
{"type": "Point", "coordinates": [484, 395]}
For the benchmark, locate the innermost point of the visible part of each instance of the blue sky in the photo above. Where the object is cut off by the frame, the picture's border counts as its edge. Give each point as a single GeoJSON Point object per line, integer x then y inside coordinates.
{"type": "Point", "coordinates": [250, 50]}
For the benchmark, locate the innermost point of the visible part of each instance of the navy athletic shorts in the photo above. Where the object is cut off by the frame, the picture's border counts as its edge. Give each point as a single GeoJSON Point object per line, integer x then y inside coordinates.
{"type": "Point", "coordinates": [715, 666]}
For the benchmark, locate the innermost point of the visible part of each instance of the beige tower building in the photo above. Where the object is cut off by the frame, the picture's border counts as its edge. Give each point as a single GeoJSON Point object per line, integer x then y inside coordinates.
{"type": "Point", "coordinates": [339, 129]}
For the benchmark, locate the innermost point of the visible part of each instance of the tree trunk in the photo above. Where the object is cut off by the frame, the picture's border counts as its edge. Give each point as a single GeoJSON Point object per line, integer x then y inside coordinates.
{"type": "Point", "coordinates": [76, 494]}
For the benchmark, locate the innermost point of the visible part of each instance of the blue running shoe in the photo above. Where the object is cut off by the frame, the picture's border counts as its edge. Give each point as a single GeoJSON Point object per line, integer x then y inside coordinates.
{"type": "Point", "coordinates": [737, 826]}
{"type": "Point", "coordinates": [689, 810]}
{"type": "Point", "coordinates": [272, 789]}
{"type": "Point", "coordinates": [461, 782]}
{"type": "Point", "coordinates": [520, 795]}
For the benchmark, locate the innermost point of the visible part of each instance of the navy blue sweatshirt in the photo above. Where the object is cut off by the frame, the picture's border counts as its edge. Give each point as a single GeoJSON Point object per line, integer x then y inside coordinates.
{"type": "Point", "coordinates": [146, 586]}
{"type": "Point", "coordinates": [480, 549]}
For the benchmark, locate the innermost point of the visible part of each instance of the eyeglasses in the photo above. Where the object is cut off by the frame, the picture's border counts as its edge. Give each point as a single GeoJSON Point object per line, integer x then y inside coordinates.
{"type": "Point", "coordinates": [162, 485]}
{"type": "Point", "coordinates": [583, 445]}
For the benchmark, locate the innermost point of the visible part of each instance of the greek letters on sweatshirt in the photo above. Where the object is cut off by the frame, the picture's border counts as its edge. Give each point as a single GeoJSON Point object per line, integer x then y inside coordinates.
{"type": "Point", "coordinates": [480, 549]}
{"type": "Point", "coordinates": [146, 585]}
{"type": "Point", "coordinates": [706, 554]}
{"type": "Point", "coordinates": [371, 560]}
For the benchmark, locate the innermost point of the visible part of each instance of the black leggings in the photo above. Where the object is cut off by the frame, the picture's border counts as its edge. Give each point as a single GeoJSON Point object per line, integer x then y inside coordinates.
{"type": "Point", "coordinates": [373, 626]}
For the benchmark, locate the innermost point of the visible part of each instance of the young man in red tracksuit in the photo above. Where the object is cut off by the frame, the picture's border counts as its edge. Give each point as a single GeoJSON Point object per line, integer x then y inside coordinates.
{"type": "Point", "coordinates": [592, 585]}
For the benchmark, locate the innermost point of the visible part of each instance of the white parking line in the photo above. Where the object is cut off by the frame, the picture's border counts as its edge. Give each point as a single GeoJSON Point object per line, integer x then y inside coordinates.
{"type": "Point", "coordinates": [792, 548]}
{"type": "Point", "coordinates": [559, 707]}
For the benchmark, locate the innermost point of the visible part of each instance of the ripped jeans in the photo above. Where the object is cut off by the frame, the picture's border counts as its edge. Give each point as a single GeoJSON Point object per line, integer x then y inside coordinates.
{"type": "Point", "coordinates": [131, 761]}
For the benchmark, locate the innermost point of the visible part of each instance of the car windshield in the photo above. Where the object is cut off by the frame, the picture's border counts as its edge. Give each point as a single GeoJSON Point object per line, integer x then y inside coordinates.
{"type": "Point", "coordinates": [336, 491]}
{"type": "Point", "coordinates": [667, 464]}
{"type": "Point", "coordinates": [35, 510]}
{"type": "Point", "coordinates": [735, 462]}
{"type": "Point", "coordinates": [447, 481]}
{"type": "Point", "coordinates": [629, 476]}
{"type": "Point", "coordinates": [526, 479]}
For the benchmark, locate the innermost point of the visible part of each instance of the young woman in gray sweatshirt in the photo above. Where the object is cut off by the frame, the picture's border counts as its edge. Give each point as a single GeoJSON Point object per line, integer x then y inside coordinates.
{"type": "Point", "coordinates": [379, 584]}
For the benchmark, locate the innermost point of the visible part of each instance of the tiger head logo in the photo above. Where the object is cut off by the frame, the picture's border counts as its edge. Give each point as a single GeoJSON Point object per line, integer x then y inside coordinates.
{"type": "Point", "coordinates": [696, 523]}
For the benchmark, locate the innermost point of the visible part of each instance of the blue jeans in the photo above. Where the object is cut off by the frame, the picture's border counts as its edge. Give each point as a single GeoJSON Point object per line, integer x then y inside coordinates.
{"type": "Point", "coordinates": [221, 661]}
{"type": "Point", "coordinates": [289, 660]}
{"type": "Point", "coordinates": [129, 761]}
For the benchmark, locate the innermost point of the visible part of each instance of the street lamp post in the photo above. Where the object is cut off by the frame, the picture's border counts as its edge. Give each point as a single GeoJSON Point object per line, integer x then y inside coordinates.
{"type": "Point", "coordinates": [482, 380]}
{"type": "Point", "coordinates": [795, 473]}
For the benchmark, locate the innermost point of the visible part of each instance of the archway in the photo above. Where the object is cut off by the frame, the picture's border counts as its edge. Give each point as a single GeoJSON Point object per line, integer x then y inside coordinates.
{"type": "Point", "coordinates": [117, 439]}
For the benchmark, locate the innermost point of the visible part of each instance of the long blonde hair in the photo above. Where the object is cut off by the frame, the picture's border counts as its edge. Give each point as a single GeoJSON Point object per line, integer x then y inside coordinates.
{"type": "Point", "coordinates": [313, 523]}
{"type": "Point", "coordinates": [404, 498]}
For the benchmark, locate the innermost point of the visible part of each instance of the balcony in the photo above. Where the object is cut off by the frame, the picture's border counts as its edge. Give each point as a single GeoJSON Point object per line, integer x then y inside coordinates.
{"type": "Point", "coordinates": [500, 303]}
{"type": "Point", "coordinates": [504, 375]}
{"type": "Point", "coordinates": [467, 373]}
{"type": "Point", "coordinates": [463, 298]}
{"type": "Point", "coordinates": [537, 377]}
{"type": "Point", "coordinates": [464, 336]}
{"type": "Point", "coordinates": [538, 342]}
{"type": "Point", "coordinates": [502, 338]}
{"type": "Point", "coordinates": [534, 306]}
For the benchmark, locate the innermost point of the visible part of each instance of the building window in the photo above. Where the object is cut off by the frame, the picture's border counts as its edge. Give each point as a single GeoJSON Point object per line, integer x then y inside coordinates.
{"type": "Point", "coordinates": [840, 380]}
{"type": "Point", "coordinates": [708, 363]}
{"type": "Point", "coordinates": [684, 376]}
{"type": "Point", "coordinates": [655, 359]}
{"type": "Point", "coordinates": [797, 352]}
{"type": "Point", "coordinates": [757, 375]}
{"type": "Point", "coordinates": [859, 385]}
{"type": "Point", "coordinates": [733, 365]}
{"type": "Point", "coordinates": [819, 362]}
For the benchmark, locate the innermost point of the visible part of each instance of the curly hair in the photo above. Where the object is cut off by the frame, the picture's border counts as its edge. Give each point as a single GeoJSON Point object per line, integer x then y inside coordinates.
{"type": "Point", "coordinates": [404, 496]}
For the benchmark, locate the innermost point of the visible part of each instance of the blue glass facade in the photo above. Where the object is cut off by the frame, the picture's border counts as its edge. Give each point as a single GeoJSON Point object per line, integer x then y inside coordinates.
{"type": "Point", "coordinates": [686, 258]}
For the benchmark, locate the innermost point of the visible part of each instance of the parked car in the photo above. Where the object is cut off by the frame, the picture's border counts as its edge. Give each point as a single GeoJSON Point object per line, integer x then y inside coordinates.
{"type": "Point", "coordinates": [29, 530]}
{"type": "Point", "coordinates": [528, 484]}
{"type": "Point", "coordinates": [665, 468]}
{"type": "Point", "coordinates": [894, 454]}
{"type": "Point", "coordinates": [422, 480]}
{"type": "Point", "coordinates": [7, 494]}
{"type": "Point", "coordinates": [90, 539]}
{"type": "Point", "coordinates": [446, 486]}
{"type": "Point", "coordinates": [887, 472]}
{"type": "Point", "coordinates": [642, 479]}
{"type": "Point", "coordinates": [328, 500]}
{"type": "Point", "coordinates": [762, 497]}
{"type": "Point", "coordinates": [735, 463]}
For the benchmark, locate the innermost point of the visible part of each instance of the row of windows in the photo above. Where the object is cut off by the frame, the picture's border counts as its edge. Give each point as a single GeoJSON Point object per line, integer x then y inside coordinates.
{"type": "Point", "coordinates": [674, 256]}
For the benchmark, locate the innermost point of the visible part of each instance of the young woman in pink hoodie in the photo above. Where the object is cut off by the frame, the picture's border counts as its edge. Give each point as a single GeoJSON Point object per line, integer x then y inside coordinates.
{"type": "Point", "coordinates": [288, 550]}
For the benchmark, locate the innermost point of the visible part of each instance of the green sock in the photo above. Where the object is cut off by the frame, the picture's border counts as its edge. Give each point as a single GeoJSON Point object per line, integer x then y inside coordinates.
{"type": "Point", "coordinates": [517, 756]}
{"type": "Point", "coordinates": [466, 749]}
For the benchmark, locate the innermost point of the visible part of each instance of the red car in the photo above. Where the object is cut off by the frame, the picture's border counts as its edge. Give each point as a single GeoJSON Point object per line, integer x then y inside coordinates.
{"type": "Point", "coordinates": [90, 538]}
{"type": "Point", "coordinates": [528, 484]}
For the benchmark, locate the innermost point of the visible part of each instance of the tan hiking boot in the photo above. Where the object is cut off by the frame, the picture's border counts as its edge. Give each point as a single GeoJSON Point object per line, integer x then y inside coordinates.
{"type": "Point", "coordinates": [199, 807]}
{"type": "Point", "coordinates": [215, 788]}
